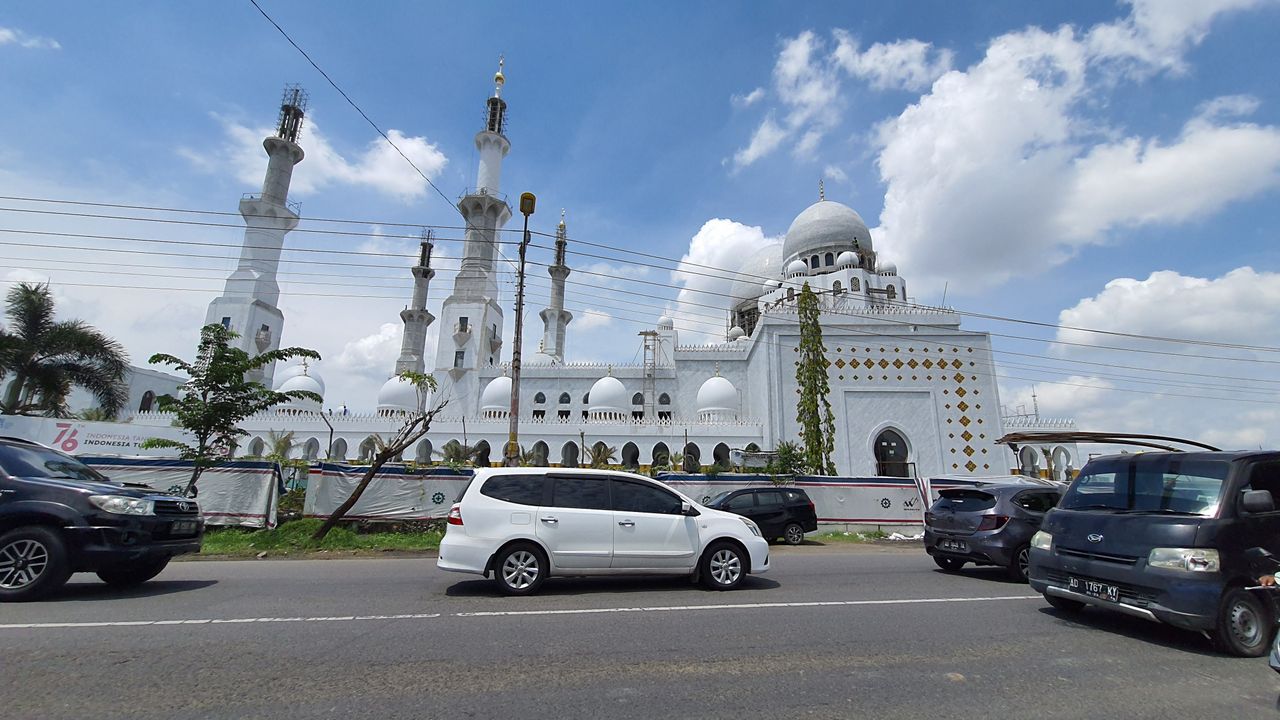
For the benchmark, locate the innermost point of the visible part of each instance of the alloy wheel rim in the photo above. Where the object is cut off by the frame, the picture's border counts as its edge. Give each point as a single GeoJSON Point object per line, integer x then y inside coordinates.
{"type": "Point", "coordinates": [1245, 624]}
{"type": "Point", "coordinates": [1024, 562]}
{"type": "Point", "coordinates": [726, 567]}
{"type": "Point", "coordinates": [794, 535]}
{"type": "Point", "coordinates": [21, 563]}
{"type": "Point", "coordinates": [520, 570]}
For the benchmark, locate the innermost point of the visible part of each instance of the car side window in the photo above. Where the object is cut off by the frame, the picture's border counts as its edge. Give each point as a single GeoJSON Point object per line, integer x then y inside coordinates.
{"type": "Point", "coordinates": [769, 497]}
{"type": "Point", "coordinates": [519, 489]}
{"type": "Point", "coordinates": [587, 493]}
{"type": "Point", "coordinates": [1035, 501]}
{"type": "Point", "coordinates": [637, 497]}
{"type": "Point", "coordinates": [1266, 476]}
{"type": "Point", "coordinates": [741, 502]}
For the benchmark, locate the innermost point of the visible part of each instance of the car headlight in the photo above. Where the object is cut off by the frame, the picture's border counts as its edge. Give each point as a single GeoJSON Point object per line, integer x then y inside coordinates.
{"type": "Point", "coordinates": [1042, 540]}
{"type": "Point", "coordinates": [121, 505]}
{"type": "Point", "coordinates": [755, 530]}
{"type": "Point", "coordinates": [1185, 559]}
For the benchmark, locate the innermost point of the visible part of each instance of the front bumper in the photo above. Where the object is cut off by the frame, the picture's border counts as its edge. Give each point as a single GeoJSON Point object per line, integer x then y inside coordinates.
{"type": "Point", "coordinates": [1159, 595]}
{"type": "Point", "coordinates": [113, 540]}
{"type": "Point", "coordinates": [758, 549]}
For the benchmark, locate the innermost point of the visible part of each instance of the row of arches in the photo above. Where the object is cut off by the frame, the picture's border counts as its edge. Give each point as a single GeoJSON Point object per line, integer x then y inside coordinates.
{"type": "Point", "coordinates": [567, 399]}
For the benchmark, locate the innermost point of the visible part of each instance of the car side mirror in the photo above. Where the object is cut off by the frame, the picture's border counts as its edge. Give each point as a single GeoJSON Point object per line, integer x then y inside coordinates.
{"type": "Point", "coordinates": [1257, 501]}
{"type": "Point", "coordinates": [1257, 553]}
{"type": "Point", "coordinates": [689, 509]}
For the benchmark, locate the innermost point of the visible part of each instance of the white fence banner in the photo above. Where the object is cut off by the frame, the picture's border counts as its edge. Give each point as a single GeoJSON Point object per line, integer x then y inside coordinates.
{"type": "Point", "coordinates": [242, 493]}
{"type": "Point", "coordinates": [82, 437]}
{"type": "Point", "coordinates": [395, 493]}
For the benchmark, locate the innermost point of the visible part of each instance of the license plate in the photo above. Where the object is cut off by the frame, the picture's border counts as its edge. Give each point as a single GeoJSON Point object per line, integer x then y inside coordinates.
{"type": "Point", "coordinates": [954, 545]}
{"type": "Point", "coordinates": [1093, 588]}
{"type": "Point", "coordinates": [183, 527]}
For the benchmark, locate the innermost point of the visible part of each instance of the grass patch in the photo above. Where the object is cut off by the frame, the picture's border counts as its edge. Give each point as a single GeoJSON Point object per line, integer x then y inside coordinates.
{"type": "Point", "coordinates": [295, 537]}
{"type": "Point", "coordinates": [848, 537]}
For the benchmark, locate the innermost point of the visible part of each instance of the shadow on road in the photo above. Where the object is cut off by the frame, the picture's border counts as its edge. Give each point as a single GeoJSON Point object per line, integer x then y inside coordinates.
{"type": "Point", "coordinates": [1139, 629]}
{"type": "Point", "coordinates": [94, 591]}
{"type": "Point", "coordinates": [567, 587]}
{"type": "Point", "coordinates": [989, 573]}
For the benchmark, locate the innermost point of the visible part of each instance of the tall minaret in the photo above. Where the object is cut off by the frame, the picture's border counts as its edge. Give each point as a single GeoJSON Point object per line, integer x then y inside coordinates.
{"type": "Point", "coordinates": [555, 319]}
{"type": "Point", "coordinates": [416, 318]}
{"type": "Point", "coordinates": [471, 317]}
{"type": "Point", "coordinates": [248, 302]}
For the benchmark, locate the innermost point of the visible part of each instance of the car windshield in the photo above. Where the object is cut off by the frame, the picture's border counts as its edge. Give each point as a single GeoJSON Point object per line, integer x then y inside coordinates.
{"type": "Point", "coordinates": [33, 461]}
{"type": "Point", "coordinates": [715, 499]}
{"type": "Point", "coordinates": [1155, 484]}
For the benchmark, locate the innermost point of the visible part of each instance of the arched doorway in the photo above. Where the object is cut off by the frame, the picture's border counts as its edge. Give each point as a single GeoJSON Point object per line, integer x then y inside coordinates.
{"type": "Point", "coordinates": [423, 453]}
{"type": "Point", "coordinates": [540, 453]}
{"type": "Point", "coordinates": [339, 450]}
{"type": "Point", "coordinates": [482, 454]}
{"type": "Point", "coordinates": [1061, 464]}
{"type": "Point", "coordinates": [1029, 461]}
{"type": "Point", "coordinates": [148, 399]}
{"type": "Point", "coordinates": [311, 450]}
{"type": "Point", "coordinates": [569, 455]}
{"type": "Point", "coordinates": [720, 456]}
{"type": "Point", "coordinates": [660, 456]}
{"type": "Point", "coordinates": [367, 449]}
{"type": "Point", "coordinates": [257, 448]}
{"type": "Point", "coordinates": [692, 458]}
{"type": "Point", "coordinates": [630, 456]}
{"type": "Point", "coordinates": [892, 455]}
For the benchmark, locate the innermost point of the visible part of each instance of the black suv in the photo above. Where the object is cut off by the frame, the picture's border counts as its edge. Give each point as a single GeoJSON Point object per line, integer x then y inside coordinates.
{"type": "Point", "coordinates": [59, 516]}
{"type": "Point", "coordinates": [783, 512]}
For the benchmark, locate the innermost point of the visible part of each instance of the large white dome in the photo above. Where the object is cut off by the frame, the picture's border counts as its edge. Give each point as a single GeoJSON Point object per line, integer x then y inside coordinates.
{"type": "Point", "coordinates": [398, 395]}
{"type": "Point", "coordinates": [825, 226]}
{"type": "Point", "coordinates": [293, 371]}
{"type": "Point", "coordinates": [496, 398]}
{"type": "Point", "coordinates": [717, 399]}
{"type": "Point", "coordinates": [302, 382]}
{"type": "Point", "coordinates": [763, 263]}
{"type": "Point", "coordinates": [608, 397]}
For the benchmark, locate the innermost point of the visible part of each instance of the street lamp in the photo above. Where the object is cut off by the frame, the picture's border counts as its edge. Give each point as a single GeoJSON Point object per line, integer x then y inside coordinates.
{"type": "Point", "coordinates": [511, 457]}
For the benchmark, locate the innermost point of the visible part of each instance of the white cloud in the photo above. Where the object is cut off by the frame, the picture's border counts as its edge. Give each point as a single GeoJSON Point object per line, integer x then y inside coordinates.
{"type": "Point", "coordinates": [378, 166]}
{"type": "Point", "coordinates": [835, 173]}
{"type": "Point", "coordinates": [765, 140]}
{"type": "Point", "coordinates": [748, 99]}
{"type": "Point", "coordinates": [13, 36]}
{"type": "Point", "coordinates": [1157, 33]}
{"type": "Point", "coordinates": [905, 64]}
{"type": "Point", "coordinates": [591, 319]}
{"type": "Point", "coordinates": [718, 243]}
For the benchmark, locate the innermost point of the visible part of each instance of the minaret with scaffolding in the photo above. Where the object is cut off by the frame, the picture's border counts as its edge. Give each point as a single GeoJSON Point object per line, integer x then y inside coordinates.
{"type": "Point", "coordinates": [555, 319]}
{"type": "Point", "coordinates": [249, 302]}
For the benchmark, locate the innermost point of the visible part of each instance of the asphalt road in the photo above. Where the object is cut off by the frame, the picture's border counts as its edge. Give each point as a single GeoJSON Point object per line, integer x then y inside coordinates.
{"type": "Point", "coordinates": [831, 632]}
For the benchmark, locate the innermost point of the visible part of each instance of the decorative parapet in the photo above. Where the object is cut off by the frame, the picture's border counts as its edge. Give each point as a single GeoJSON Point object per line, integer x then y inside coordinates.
{"type": "Point", "coordinates": [1033, 423]}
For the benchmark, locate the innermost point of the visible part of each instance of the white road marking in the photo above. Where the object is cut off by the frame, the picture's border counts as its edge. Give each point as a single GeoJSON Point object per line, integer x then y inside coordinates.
{"type": "Point", "coordinates": [215, 621]}
{"type": "Point", "coordinates": [745, 606]}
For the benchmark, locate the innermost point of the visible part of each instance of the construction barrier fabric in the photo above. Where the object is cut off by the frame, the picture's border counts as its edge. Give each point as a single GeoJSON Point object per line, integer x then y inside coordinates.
{"type": "Point", "coordinates": [396, 493]}
{"type": "Point", "coordinates": [242, 493]}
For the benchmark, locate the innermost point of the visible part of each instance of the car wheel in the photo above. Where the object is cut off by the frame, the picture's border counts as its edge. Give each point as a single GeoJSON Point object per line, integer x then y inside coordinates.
{"type": "Point", "coordinates": [33, 563]}
{"type": "Point", "coordinates": [520, 569]}
{"type": "Point", "coordinates": [134, 573]}
{"type": "Point", "coordinates": [1064, 604]}
{"type": "Point", "coordinates": [724, 566]}
{"type": "Point", "coordinates": [793, 534]}
{"type": "Point", "coordinates": [949, 564]}
{"type": "Point", "coordinates": [1021, 564]}
{"type": "Point", "coordinates": [1244, 625]}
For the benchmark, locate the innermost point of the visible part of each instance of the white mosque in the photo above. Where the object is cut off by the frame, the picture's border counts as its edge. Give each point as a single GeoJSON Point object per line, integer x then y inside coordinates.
{"type": "Point", "coordinates": [912, 392]}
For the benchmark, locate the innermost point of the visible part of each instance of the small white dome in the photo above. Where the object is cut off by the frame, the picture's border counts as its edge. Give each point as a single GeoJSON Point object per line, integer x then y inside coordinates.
{"type": "Point", "coordinates": [736, 332]}
{"type": "Point", "coordinates": [848, 258]}
{"type": "Point", "coordinates": [398, 395]}
{"type": "Point", "coordinates": [496, 398]}
{"type": "Point", "coordinates": [292, 371]}
{"type": "Point", "coordinates": [888, 269]}
{"type": "Point", "coordinates": [301, 382]}
{"type": "Point", "coordinates": [666, 323]}
{"type": "Point", "coordinates": [796, 268]}
{"type": "Point", "coordinates": [608, 397]}
{"type": "Point", "coordinates": [771, 285]}
{"type": "Point", "coordinates": [717, 399]}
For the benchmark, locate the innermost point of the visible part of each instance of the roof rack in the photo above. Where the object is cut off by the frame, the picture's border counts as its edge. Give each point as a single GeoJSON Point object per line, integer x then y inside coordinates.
{"type": "Point", "coordinates": [1077, 436]}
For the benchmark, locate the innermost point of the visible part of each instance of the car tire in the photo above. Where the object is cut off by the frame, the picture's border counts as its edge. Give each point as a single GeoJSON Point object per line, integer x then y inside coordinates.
{"type": "Point", "coordinates": [723, 566]}
{"type": "Point", "coordinates": [133, 573]}
{"type": "Point", "coordinates": [1020, 565]}
{"type": "Point", "coordinates": [1066, 605]}
{"type": "Point", "coordinates": [949, 564]}
{"type": "Point", "coordinates": [520, 569]}
{"type": "Point", "coordinates": [1244, 625]}
{"type": "Point", "coordinates": [793, 534]}
{"type": "Point", "coordinates": [33, 563]}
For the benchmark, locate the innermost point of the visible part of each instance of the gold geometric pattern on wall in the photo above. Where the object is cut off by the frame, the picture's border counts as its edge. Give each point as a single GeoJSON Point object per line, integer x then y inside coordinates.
{"type": "Point", "coordinates": [968, 450]}
{"type": "Point", "coordinates": [963, 406]}
{"type": "Point", "coordinates": [898, 364]}
{"type": "Point", "coordinates": [956, 364]}
{"type": "Point", "coordinates": [961, 391]}
{"type": "Point", "coordinates": [840, 363]}
{"type": "Point", "coordinates": [971, 466]}
{"type": "Point", "coordinates": [958, 377]}
{"type": "Point", "coordinates": [868, 364]}
{"type": "Point", "coordinates": [913, 364]}
{"type": "Point", "coordinates": [928, 363]}
{"type": "Point", "coordinates": [964, 420]}
{"type": "Point", "coordinates": [883, 363]}
{"type": "Point", "coordinates": [966, 435]}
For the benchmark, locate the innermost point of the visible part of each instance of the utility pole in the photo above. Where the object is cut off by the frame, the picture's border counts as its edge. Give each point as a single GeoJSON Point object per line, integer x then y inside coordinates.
{"type": "Point", "coordinates": [512, 456]}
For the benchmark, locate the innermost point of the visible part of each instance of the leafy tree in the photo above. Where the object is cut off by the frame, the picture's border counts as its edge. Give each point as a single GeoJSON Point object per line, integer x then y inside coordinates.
{"type": "Point", "coordinates": [416, 424]}
{"type": "Point", "coordinates": [218, 397]}
{"type": "Point", "coordinates": [96, 414]}
{"type": "Point", "coordinates": [788, 458]}
{"type": "Point", "coordinates": [813, 411]}
{"type": "Point", "coordinates": [529, 458]}
{"type": "Point", "coordinates": [602, 456]}
{"type": "Point", "coordinates": [47, 358]}
{"type": "Point", "coordinates": [280, 444]}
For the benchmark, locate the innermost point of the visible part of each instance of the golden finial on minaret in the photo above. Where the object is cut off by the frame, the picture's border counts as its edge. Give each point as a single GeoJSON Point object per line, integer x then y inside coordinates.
{"type": "Point", "coordinates": [498, 78]}
{"type": "Point", "coordinates": [561, 218]}
{"type": "Point", "coordinates": [822, 193]}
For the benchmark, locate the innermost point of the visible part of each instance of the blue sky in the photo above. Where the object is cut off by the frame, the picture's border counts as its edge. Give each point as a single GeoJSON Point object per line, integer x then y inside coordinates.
{"type": "Point", "coordinates": [1107, 165]}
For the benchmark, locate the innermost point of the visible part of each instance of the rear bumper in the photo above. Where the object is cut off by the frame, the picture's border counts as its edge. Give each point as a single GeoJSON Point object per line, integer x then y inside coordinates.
{"type": "Point", "coordinates": [459, 553]}
{"type": "Point", "coordinates": [986, 549]}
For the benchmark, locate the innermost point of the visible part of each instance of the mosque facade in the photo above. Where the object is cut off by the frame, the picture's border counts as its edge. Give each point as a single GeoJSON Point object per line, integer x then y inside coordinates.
{"type": "Point", "coordinates": [912, 392]}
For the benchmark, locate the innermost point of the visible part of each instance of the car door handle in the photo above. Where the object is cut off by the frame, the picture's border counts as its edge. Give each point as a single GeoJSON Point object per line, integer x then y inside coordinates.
{"type": "Point", "coordinates": [627, 523]}
{"type": "Point", "coordinates": [550, 521]}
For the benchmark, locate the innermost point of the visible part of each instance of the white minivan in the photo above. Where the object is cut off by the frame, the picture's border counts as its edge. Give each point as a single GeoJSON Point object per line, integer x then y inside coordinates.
{"type": "Point", "coordinates": [527, 524]}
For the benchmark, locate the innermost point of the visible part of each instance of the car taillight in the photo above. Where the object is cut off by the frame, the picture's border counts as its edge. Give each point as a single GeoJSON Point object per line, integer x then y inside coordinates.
{"type": "Point", "coordinates": [928, 518]}
{"type": "Point", "coordinates": [993, 522]}
{"type": "Point", "coordinates": [455, 515]}
{"type": "Point", "coordinates": [812, 507]}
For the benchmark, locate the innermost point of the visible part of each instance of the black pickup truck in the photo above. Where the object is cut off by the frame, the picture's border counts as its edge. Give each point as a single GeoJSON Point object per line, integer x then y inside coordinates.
{"type": "Point", "coordinates": [59, 516]}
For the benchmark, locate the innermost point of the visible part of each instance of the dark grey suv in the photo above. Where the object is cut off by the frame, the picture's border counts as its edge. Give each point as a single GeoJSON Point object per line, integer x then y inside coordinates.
{"type": "Point", "coordinates": [988, 525]}
{"type": "Point", "coordinates": [781, 512]}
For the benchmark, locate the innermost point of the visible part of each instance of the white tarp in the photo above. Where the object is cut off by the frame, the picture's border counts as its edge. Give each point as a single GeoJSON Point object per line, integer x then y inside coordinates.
{"type": "Point", "coordinates": [396, 493]}
{"type": "Point", "coordinates": [239, 492]}
{"type": "Point", "coordinates": [82, 437]}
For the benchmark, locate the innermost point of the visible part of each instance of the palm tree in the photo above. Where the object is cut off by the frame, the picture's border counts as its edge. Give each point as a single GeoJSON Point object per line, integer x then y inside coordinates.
{"type": "Point", "coordinates": [280, 445]}
{"type": "Point", "coordinates": [602, 455]}
{"type": "Point", "coordinates": [47, 358]}
{"type": "Point", "coordinates": [456, 454]}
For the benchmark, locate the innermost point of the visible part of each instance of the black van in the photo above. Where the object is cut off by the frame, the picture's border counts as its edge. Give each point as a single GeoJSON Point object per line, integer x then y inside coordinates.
{"type": "Point", "coordinates": [1162, 536]}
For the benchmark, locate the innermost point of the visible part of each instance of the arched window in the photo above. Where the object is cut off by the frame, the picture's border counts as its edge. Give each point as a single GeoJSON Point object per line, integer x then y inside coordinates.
{"type": "Point", "coordinates": [720, 456]}
{"type": "Point", "coordinates": [892, 454]}
{"type": "Point", "coordinates": [565, 399]}
{"type": "Point", "coordinates": [829, 259]}
{"type": "Point", "coordinates": [791, 293]}
{"type": "Point", "coordinates": [148, 399]}
{"type": "Point", "coordinates": [423, 453]}
{"type": "Point", "coordinates": [339, 450]}
{"type": "Point", "coordinates": [855, 285]}
{"type": "Point", "coordinates": [257, 448]}
{"type": "Point", "coordinates": [569, 455]}
{"type": "Point", "coordinates": [311, 450]}
{"type": "Point", "coordinates": [664, 399]}
{"type": "Point", "coordinates": [890, 292]}
{"type": "Point", "coordinates": [540, 453]}
{"type": "Point", "coordinates": [539, 399]}
{"type": "Point", "coordinates": [637, 399]}
{"type": "Point", "coordinates": [630, 456]}
{"type": "Point", "coordinates": [813, 262]}
{"type": "Point", "coordinates": [692, 458]}
{"type": "Point", "coordinates": [482, 455]}
{"type": "Point", "coordinates": [586, 397]}
{"type": "Point", "coordinates": [835, 288]}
